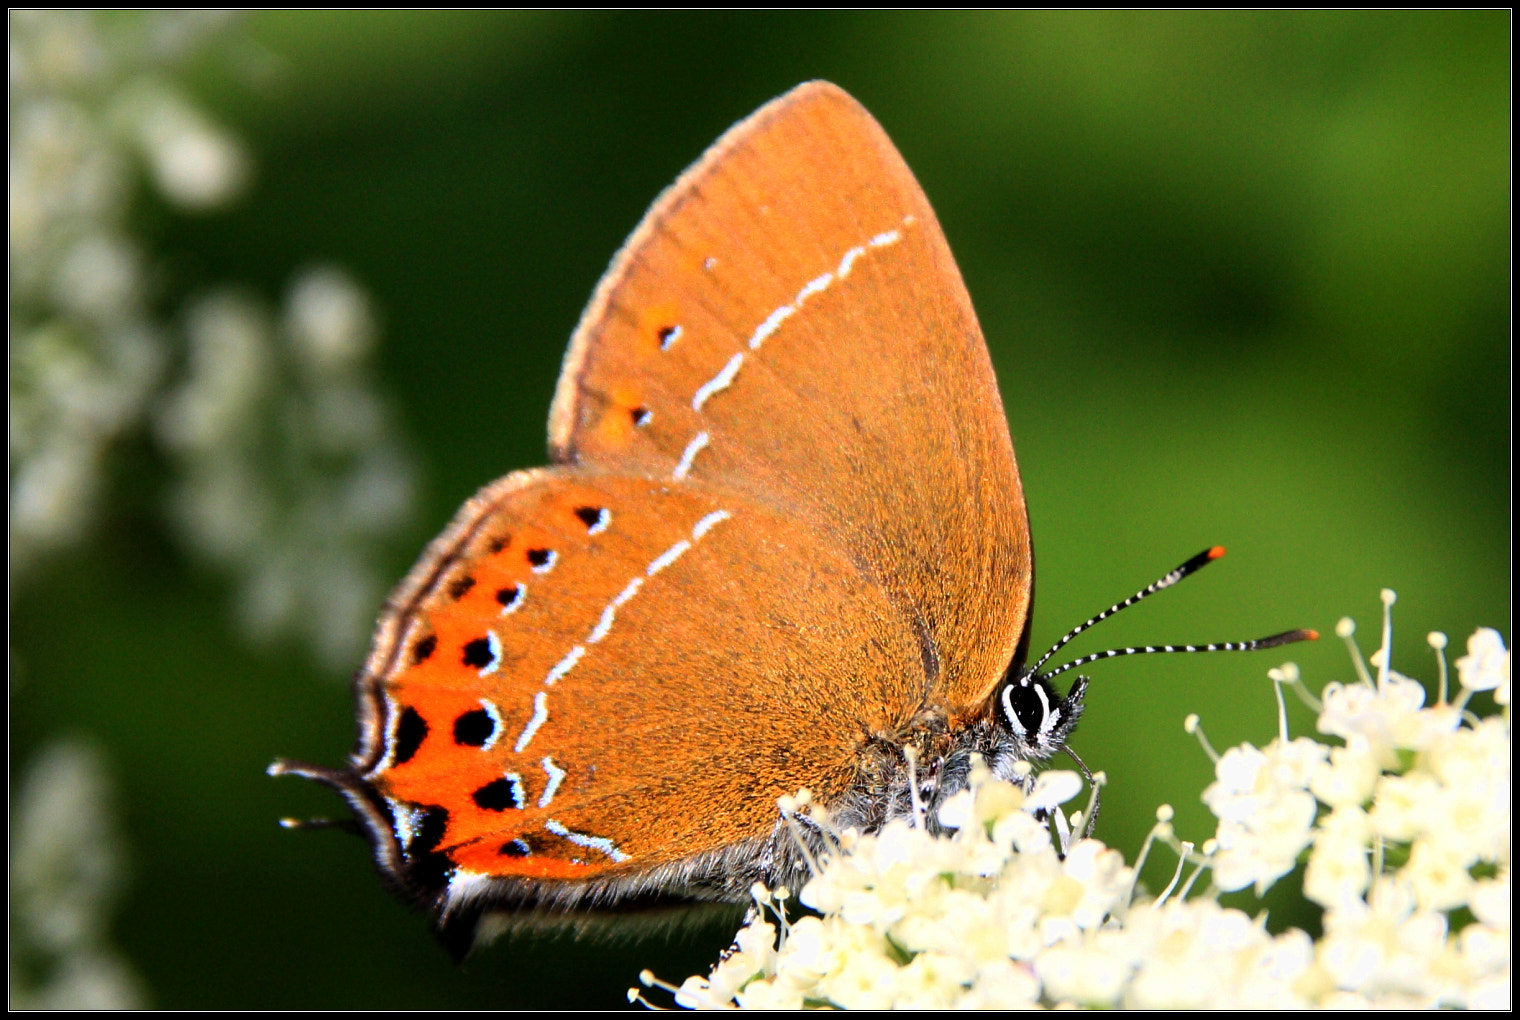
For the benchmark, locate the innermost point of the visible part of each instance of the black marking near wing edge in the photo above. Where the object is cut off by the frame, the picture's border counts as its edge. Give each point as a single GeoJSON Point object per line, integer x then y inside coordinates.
{"type": "Point", "coordinates": [411, 731]}
{"type": "Point", "coordinates": [427, 868]}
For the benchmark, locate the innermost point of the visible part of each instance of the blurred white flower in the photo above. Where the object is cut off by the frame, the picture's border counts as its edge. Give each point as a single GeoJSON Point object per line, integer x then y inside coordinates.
{"type": "Point", "coordinates": [329, 321]}
{"type": "Point", "coordinates": [1382, 720]}
{"type": "Point", "coordinates": [289, 471]}
{"type": "Point", "coordinates": [1338, 871]}
{"type": "Point", "coordinates": [86, 352]}
{"type": "Point", "coordinates": [288, 468]}
{"type": "Point", "coordinates": [1381, 949]}
{"type": "Point", "coordinates": [194, 163]}
{"type": "Point", "coordinates": [1199, 955]}
{"type": "Point", "coordinates": [66, 873]}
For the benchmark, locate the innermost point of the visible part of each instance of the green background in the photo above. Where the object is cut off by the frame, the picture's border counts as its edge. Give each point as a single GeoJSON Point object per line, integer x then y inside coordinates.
{"type": "Point", "coordinates": [1244, 277]}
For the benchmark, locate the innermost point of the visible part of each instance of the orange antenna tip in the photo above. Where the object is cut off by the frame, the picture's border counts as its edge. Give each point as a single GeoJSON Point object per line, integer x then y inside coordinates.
{"type": "Point", "coordinates": [1216, 552]}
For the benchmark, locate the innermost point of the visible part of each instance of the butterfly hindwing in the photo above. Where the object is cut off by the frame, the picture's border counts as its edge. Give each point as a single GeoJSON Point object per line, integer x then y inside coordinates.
{"type": "Point", "coordinates": [576, 632]}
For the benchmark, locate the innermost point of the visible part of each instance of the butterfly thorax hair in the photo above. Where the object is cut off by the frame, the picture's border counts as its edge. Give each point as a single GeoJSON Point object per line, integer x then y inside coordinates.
{"type": "Point", "coordinates": [1025, 721]}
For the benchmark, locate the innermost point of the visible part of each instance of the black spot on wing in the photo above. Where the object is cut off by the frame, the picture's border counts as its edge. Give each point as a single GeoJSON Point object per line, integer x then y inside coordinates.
{"type": "Point", "coordinates": [474, 729]}
{"type": "Point", "coordinates": [411, 731]}
{"type": "Point", "coordinates": [497, 795]}
{"type": "Point", "coordinates": [477, 653]}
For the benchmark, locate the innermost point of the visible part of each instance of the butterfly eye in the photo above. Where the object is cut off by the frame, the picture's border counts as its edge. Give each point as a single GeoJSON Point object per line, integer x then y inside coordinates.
{"type": "Point", "coordinates": [1027, 706]}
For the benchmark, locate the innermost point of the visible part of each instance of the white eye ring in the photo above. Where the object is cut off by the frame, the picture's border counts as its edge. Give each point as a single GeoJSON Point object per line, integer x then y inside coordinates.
{"type": "Point", "coordinates": [1013, 718]}
{"type": "Point", "coordinates": [1045, 714]}
{"type": "Point", "coordinates": [1047, 717]}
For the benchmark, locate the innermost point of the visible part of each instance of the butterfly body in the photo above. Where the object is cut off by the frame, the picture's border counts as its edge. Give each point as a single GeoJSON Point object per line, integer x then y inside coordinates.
{"type": "Point", "coordinates": [783, 544]}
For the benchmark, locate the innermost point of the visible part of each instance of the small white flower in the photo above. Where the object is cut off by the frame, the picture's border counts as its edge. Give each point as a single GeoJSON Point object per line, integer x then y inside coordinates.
{"type": "Point", "coordinates": [1338, 872]}
{"type": "Point", "coordinates": [1051, 789]}
{"type": "Point", "coordinates": [1437, 875]}
{"type": "Point", "coordinates": [1002, 984]}
{"type": "Point", "coordinates": [1194, 955]}
{"type": "Point", "coordinates": [1400, 807]}
{"type": "Point", "coordinates": [1087, 974]}
{"type": "Point", "coordinates": [1485, 948]}
{"type": "Point", "coordinates": [1384, 947]}
{"type": "Point", "coordinates": [1265, 815]}
{"type": "Point", "coordinates": [1491, 901]}
{"type": "Point", "coordinates": [1485, 667]}
{"type": "Point", "coordinates": [864, 976]}
{"type": "Point", "coordinates": [753, 954]}
{"type": "Point", "coordinates": [932, 981]}
{"type": "Point", "coordinates": [1101, 878]}
{"type": "Point", "coordinates": [1350, 776]}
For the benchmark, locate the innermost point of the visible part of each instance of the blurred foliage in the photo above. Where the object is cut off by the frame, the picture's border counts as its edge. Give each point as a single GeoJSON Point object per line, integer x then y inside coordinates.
{"type": "Point", "coordinates": [1245, 278]}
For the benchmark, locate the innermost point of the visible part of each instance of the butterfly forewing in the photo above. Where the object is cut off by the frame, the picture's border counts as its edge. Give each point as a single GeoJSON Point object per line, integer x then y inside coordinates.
{"type": "Point", "coordinates": [569, 595]}
{"type": "Point", "coordinates": [787, 324]}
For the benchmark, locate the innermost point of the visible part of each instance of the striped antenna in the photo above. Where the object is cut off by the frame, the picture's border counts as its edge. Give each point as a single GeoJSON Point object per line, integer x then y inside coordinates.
{"type": "Point", "coordinates": [1192, 566]}
{"type": "Point", "coordinates": [1285, 638]}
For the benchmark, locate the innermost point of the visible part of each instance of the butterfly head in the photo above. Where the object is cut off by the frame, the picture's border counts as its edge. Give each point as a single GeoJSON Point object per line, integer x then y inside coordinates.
{"type": "Point", "coordinates": [1035, 719]}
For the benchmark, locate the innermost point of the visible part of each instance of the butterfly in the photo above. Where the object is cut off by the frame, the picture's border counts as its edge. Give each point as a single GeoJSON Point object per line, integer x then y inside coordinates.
{"type": "Point", "coordinates": [783, 544]}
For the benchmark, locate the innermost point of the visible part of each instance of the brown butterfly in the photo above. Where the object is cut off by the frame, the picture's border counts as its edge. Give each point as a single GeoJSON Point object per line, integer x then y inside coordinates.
{"type": "Point", "coordinates": [783, 545]}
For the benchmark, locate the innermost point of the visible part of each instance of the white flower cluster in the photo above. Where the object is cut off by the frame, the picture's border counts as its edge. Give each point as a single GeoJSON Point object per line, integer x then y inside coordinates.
{"type": "Point", "coordinates": [1405, 827]}
{"type": "Point", "coordinates": [91, 110]}
{"type": "Point", "coordinates": [288, 469]}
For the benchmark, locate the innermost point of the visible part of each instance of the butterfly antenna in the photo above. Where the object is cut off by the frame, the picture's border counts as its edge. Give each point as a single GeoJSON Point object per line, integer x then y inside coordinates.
{"type": "Point", "coordinates": [1192, 566]}
{"type": "Point", "coordinates": [346, 824]}
{"type": "Point", "coordinates": [1287, 637]}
